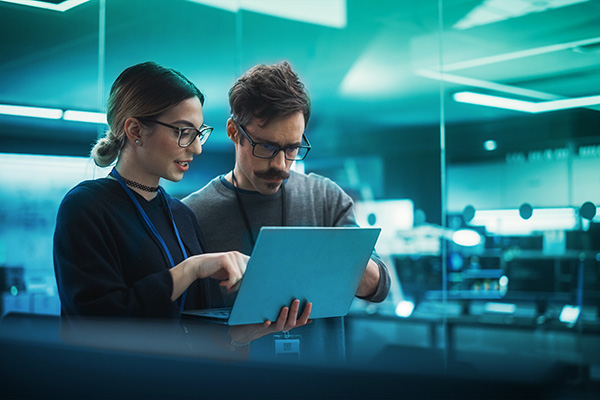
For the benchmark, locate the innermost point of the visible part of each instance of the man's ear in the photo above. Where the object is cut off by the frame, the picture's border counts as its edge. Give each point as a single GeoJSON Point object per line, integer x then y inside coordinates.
{"type": "Point", "coordinates": [232, 131]}
{"type": "Point", "coordinates": [133, 130]}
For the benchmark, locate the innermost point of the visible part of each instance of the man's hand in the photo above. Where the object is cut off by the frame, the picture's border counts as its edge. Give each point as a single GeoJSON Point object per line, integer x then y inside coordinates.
{"type": "Point", "coordinates": [286, 321]}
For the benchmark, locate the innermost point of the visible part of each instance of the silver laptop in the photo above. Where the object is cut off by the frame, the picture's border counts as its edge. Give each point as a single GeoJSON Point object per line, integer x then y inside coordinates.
{"type": "Point", "coordinates": [313, 264]}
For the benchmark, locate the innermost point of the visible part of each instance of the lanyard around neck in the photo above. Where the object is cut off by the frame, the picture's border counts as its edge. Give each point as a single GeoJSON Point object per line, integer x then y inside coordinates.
{"type": "Point", "coordinates": [243, 209]}
{"type": "Point", "coordinates": [150, 225]}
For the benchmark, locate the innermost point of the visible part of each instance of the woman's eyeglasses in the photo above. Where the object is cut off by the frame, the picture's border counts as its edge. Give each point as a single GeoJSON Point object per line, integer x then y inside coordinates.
{"type": "Point", "coordinates": [187, 135]}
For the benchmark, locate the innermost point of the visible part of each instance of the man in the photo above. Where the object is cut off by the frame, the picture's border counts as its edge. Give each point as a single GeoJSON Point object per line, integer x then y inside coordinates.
{"type": "Point", "coordinates": [270, 109]}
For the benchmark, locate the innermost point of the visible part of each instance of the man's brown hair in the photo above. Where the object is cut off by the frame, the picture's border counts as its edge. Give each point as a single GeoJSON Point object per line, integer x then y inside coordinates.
{"type": "Point", "coordinates": [267, 92]}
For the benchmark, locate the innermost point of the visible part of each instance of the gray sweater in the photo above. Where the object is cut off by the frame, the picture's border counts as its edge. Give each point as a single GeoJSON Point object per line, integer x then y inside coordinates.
{"type": "Point", "coordinates": [311, 200]}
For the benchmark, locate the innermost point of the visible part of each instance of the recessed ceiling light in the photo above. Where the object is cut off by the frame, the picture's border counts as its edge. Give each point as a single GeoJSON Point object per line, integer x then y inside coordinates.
{"type": "Point", "coordinates": [330, 13]}
{"type": "Point", "coordinates": [61, 6]}
{"type": "Point", "coordinates": [491, 11]}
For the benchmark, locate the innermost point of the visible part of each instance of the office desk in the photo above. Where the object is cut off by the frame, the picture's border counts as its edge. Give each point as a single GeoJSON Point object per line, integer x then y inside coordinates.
{"type": "Point", "coordinates": [385, 358]}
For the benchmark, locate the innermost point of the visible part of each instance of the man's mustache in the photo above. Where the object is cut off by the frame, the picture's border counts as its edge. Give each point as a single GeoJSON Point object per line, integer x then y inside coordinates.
{"type": "Point", "coordinates": [273, 173]}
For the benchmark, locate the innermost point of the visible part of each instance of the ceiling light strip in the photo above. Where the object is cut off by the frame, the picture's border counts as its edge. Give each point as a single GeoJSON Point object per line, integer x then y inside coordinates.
{"type": "Point", "coordinates": [33, 112]}
{"type": "Point", "coordinates": [477, 62]}
{"type": "Point", "coordinates": [85, 116]}
{"type": "Point", "coordinates": [494, 101]}
{"type": "Point", "coordinates": [522, 105]}
{"type": "Point", "coordinates": [568, 103]}
{"type": "Point", "coordinates": [53, 113]}
{"type": "Point", "coordinates": [498, 87]}
{"type": "Point", "coordinates": [61, 7]}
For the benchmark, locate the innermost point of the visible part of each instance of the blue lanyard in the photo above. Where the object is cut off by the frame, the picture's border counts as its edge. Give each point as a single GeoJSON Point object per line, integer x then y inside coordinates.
{"type": "Point", "coordinates": [150, 225]}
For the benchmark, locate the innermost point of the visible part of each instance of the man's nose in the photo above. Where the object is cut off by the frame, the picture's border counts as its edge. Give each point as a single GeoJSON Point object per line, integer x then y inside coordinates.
{"type": "Point", "coordinates": [278, 161]}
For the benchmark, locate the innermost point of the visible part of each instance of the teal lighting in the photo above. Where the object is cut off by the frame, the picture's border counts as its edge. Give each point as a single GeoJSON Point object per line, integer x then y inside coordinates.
{"type": "Point", "coordinates": [501, 308]}
{"type": "Point", "coordinates": [569, 314]}
{"type": "Point", "coordinates": [509, 222]}
{"type": "Point", "coordinates": [490, 11]}
{"type": "Point", "coordinates": [61, 7]}
{"type": "Point", "coordinates": [331, 13]}
{"type": "Point", "coordinates": [522, 105]}
{"type": "Point", "coordinates": [490, 145]}
{"type": "Point", "coordinates": [85, 116]}
{"type": "Point", "coordinates": [493, 101]}
{"type": "Point", "coordinates": [14, 291]}
{"type": "Point", "coordinates": [405, 308]}
{"type": "Point", "coordinates": [466, 237]}
{"type": "Point", "coordinates": [53, 113]}
{"type": "Point", "coordinates": [33, 112]}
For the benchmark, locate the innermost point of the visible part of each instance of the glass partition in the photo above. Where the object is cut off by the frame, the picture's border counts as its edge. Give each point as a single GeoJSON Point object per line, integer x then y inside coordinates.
{"type": "Point", "coordinates": [43, 53]}
{"type": "Point", "coordinates": [521, 107]}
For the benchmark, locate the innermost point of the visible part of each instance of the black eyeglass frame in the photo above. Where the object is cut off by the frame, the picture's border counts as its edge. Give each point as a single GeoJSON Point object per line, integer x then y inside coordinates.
{"type": "Point", "coordinates": [203, 133]}
{"type": "Point", "coordinates": [253, 143]}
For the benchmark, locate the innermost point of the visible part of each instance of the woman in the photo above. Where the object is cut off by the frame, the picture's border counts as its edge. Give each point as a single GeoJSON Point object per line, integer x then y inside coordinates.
{"type": "Point", "coordinates": [122, 246]}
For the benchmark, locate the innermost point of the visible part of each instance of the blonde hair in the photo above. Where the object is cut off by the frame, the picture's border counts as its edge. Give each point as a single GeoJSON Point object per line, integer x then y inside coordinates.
{"type": "Point", "coordinates": [143, 90]}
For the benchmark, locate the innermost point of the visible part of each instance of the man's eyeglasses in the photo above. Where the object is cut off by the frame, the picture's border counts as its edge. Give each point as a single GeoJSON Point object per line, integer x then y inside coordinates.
{"type": "Point", "coordinates": [268, 151]}
{"type": "Point", "coordinates": [187, 135]}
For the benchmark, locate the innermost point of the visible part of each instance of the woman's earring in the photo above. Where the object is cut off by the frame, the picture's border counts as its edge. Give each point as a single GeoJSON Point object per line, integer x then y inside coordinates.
{"type": "Point", "coordinates": [137, 141]}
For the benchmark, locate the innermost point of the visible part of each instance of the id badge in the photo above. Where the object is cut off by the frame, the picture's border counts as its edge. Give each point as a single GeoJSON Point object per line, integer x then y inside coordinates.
{"type": "Point", "coordinates": [287, 347]}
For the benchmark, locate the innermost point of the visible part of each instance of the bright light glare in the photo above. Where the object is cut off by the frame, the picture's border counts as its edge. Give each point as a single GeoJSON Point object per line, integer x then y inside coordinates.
{"type": "Point", "coordinates": [466, 237]}
{"type": "Point", "coordinates": [502, 308]}
{"type": "Point", "coordinates": [331, 13]}
{"type": "Point", "coordinates": [35, 112]}
{"type": "Point", "coordinates": [53, 113]}
{"type": "Point", "coordinates": [85, 116]}
{"type": "Point", "coordinates": [509, 222]}
{"type": "Point", "coordinates": [569, 314]}
{"type": "Point", "coordinates": [299, 167]}
{"type": "Point", "coordinates": [490, 145]}
{"type": "Point", "coordinates": [498, 87]}
{"type": "Point", "coordinates": [490, 11]}
{"type": "Point", "coordinates": [62, 7]}
{"type": "Point", "coordinates": [41, 171]}
{"type": "Point", "coordinates": [494, 101]}
{"type": "Point", "coordinates": [522, 105]}
{"type": "Point", "coordinates": [405, 308]}
{"type": "Point", "coordinates": [503, 281]}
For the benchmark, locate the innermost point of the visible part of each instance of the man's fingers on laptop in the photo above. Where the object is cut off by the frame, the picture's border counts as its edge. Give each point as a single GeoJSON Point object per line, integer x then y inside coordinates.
{"type": "Point", "coordinates": [304, 318]}
{"type": "Point", "coordinates": [281, 320]}
{"type": "Point", "coordinates": [290, 322]}
{"type": "Point", "coordinates": [293, 320]}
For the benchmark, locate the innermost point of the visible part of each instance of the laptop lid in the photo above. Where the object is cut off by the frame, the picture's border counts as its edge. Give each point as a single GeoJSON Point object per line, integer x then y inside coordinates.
{"type": "Point", "coordinates": [313, 264]}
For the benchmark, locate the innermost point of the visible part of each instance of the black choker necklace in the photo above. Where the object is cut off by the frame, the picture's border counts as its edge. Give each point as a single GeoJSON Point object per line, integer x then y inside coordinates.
{"type": "Point", "coordinates": [136, 185]}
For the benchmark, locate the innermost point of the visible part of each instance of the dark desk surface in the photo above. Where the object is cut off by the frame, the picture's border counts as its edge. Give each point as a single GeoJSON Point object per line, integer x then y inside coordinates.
{"type": "Point", "coordinates": [385, 357]}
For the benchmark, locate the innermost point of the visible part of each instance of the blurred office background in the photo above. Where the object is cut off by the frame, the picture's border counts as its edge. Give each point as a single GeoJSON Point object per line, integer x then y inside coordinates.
{"type": "Point", "coordinates": [467, 129]}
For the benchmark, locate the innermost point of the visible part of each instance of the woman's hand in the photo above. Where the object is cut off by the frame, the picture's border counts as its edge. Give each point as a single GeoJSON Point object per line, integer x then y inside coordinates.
{"type": "Point", "coordinates": [288, 319]}
{"type": "Point", "coordinates": [227, 267]}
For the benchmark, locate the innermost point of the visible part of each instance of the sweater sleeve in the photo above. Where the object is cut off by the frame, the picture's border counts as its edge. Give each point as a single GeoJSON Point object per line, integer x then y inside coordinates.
{"type": "Point", "coordinates": [342, 214]}
{"type": "Point", "coordinates": [89, 257]}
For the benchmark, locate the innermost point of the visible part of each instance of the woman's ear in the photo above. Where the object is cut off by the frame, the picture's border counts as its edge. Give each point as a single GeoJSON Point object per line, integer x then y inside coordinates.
{"type": "Point", "coordinates": [232, 131]}
{"type": "Point", "coordinates": [133, 130]}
